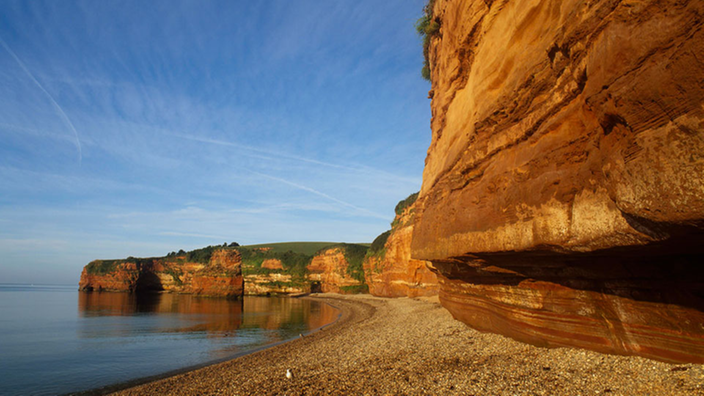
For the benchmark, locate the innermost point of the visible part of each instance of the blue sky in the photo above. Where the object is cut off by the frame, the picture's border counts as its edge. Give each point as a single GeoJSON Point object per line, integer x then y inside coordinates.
{"type": "Point", "coordinates": [138, 128]}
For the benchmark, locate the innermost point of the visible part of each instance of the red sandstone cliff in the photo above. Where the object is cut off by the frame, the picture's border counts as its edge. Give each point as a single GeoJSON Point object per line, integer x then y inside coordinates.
{"type": "Point", "coordinates": [391, 272]}
{"type": "Point", "coordinates": [221, 276]}
{"type": "Point", "coordinates": [563, 193]}
{"type": "Point", "coordinates": [273, 283]}
{"type": "Point", "coordinates": [273, 264]}
{"type": "Point", "coordinates": [332, 269]}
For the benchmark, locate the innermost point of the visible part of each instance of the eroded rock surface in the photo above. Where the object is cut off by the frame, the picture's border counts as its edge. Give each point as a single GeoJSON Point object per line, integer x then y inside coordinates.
{"type": "Point", "coordinates": [332, 270]}
{"type": "Point", "coordinates": [274, 283]}
{"type": "Point", "coordinates": [274, 264]}
{"type": "Point", "coordinates": [391, 272]}
{"type": "Point", "coordinates": [563, 194]}
{"type": "Point", "coordinates": [221, 276]}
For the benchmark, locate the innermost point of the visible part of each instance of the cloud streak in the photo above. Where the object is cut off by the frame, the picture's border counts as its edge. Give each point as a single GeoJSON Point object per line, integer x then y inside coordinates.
{"type": "Point", "coordinates": [58, 108]}
{"type": "Point", "coordinates": [270, 155]}
{"type": "Point", "coordinates": [321, 194]}
{"type": "Point", "coordinates": [304, 128]}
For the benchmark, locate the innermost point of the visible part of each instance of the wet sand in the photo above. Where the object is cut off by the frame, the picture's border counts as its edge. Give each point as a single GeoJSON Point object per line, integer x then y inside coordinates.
{"type": "Point", "coordinates": [412, 346]}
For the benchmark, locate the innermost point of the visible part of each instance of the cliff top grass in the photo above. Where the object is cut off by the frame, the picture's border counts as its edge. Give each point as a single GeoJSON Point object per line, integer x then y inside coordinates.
{"type": "Point", "coordinates": [403, 204]}
{"type": "Point", "coordinates": [294, 256]}
{"type": "Point", "coordinates": [103, 267]}
{"type": "Point", "coordinates": [309, 248]}
{"type": "Point", "coordinates": [294, 263]}
{"type": "Point", "coordinates": [378, 247]}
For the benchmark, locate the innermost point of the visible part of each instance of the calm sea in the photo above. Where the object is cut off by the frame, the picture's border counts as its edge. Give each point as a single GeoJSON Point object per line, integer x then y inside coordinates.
{"type": "Point", "coordinates": [56, 340]}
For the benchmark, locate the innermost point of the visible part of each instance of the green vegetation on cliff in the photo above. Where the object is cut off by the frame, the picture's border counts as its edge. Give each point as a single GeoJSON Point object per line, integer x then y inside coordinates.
{"type": "Point", "coordinates": [378, 248]}
{"type": "Point", "coordinates": [294, 257]}
{"type": "Point", "coordinates": [309, 248]}
{"type": "Point", "coordinates": [201, 255]}
{"type": "Point", "coordinates": [403, 204]}
{"type": "Point", "coordinates": [103, 267]}
{"type": "Point", "coordinates": [253, 256]}
{"type": "Point", "coordinates": [427, 26]}
{"type": "Point", "coordinates": [354, 254]}
{"type": "Point", "coordinates": [359, 289]}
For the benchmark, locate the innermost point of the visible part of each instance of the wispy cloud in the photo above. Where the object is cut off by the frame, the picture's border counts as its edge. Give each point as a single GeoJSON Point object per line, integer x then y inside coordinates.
{"type": "Point", "coordinates": [273, 155]}
{"type": "Point", "coordinates": [322, 194]}
{"type": "Point", "coordinates": [310, 126]}
{"type": "Point", "coordinates": [35, 132]}
{"type": "Point", "coordinates": [27, 180]}
{"type": "Point", "coordinates": [58, 108]}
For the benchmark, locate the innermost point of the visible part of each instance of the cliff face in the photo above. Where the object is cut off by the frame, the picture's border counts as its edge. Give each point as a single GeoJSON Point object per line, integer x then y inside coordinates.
{"type": "Point", "coordinates": [273, 264]}
{"type": "Point", "coordinates": [563, 194]}
{"type": "Point", "coordinates": [274, 283]}
{"type": "Point", "coordinates": [334, 273]}
{"type": "Point", "coordinates": [391, 272]}
{"type": "Point", "coordinates": [221, 276]}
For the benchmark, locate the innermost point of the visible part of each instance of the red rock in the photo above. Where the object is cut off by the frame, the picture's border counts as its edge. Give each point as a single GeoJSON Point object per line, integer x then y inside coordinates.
{"type": "Point", "coordinates": [563, 194]}
{"type": "Point", "coordinates": [274, 264]}
{"type": "Point", "coordinates": [222, 276]}
{"type": "Point", "coordinates": [330, 268]}
{"type": "Point", "coordinates": [274, 283]}
{"type": "Point", "coordinates": [392, 272]}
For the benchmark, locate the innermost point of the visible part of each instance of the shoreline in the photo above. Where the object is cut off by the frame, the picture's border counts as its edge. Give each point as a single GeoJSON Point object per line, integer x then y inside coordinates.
{"type": "Point", "coordinates": [414, 346]}
{"type": "Point", "coordinates": [120, 386]}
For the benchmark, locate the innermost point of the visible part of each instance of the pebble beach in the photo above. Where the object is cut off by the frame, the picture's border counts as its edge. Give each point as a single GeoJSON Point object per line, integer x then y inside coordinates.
{"type": "Point", "coordinates": [405, 346]}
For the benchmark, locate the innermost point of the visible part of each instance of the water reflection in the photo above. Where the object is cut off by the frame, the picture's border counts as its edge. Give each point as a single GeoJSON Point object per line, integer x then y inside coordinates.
{"type": "Point", "coordinates": [275, 313]}
{"type": "Point", "coordinates": [188, 313]}
{"type": "Point", "coordinates": [59, 341]}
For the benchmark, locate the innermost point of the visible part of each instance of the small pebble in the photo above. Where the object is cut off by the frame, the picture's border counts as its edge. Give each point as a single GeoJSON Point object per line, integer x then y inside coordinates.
{"type": "Point", "coordinates": [411, 346]}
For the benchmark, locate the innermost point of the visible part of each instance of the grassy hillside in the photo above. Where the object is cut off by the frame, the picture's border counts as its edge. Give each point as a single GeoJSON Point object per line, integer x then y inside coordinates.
{"type": "Point", "coordinates": [307, 248]}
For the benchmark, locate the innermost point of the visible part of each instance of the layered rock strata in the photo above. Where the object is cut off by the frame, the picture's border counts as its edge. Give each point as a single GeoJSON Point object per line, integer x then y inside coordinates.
{"type": "Point", "coordinates": [563, 194]}
{"type": "Point", "coordinates": [221, 276]}
{"type": "Point", "coordinates": [274, 283]}
{"type": "Point", "coordinates": [391, 272]}
{"type": "Point", "coordinates": [330, 270]}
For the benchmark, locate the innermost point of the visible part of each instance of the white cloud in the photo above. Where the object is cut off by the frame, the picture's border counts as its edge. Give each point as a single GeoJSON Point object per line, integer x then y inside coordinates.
{"type": "Point", "coordinates": [58, 108]}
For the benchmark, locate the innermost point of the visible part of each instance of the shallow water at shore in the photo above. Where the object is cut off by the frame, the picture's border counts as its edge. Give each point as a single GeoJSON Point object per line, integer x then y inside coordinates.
{"type": "Point", "coordinates": [406, 346]}
{"type": "Point", "coordinates": [55, 339]}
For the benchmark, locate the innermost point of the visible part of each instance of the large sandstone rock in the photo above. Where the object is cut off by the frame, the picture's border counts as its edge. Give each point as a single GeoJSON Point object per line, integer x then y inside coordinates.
{"type": "Point", "coordinates": [332, 270]}
{"type": "Point", "coordinates": [221, 276]}
{"type": "Point", "coordinates": [273, 283]}
{"type": "Point", "coordinates": [563, 194]}
{"type": "Point", "coordinates": [274, 264]}
{"type": "Point", "coordinates": [391, 272]}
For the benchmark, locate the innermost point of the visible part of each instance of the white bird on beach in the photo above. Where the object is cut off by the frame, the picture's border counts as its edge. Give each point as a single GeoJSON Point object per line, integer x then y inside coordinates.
{"type": "Point", "coordinates": [288, 374]}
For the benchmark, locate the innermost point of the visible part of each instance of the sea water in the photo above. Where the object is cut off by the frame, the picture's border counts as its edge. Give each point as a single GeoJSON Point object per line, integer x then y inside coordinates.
{"type": "Point", "coordinates": [57, 340]}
